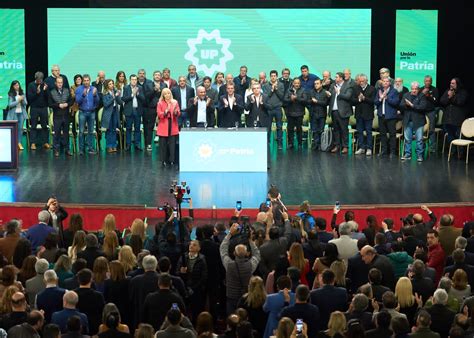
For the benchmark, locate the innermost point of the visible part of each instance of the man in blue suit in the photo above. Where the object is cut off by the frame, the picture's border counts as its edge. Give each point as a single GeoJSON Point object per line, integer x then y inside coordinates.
{"type": "Point", "coordinates": [275, 303]}
{"type": "Point", "coordinates": [183, 93]}
{"type": "Point", "coordinates": [387, 101]}
{"type": "Point", "coordinates": [50, 300]}
{"type": "Point", "coordinates": [329, 298]}
{"type": "Point", "coordinates": [134, 101]}
{"type": "Point", "coordinates": [37, 233]}
{"type": "Point", "coordinates": [70, 300]}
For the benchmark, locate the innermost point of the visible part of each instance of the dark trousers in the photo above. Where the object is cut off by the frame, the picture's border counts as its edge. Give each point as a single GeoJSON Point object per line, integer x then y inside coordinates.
{"type": "Point", "coordinates": [364, 125]}
{"type": "Point", "coordinates": [341, 131]}
{"type": "Point", "coordinates": [149, 120]}
{"type": "Point", "coordinates": [295, 121]}
{"type": "Point", "coordinates": [135, 121]}
{"type": "Point", "coordinates": [61, 132]}
{"type": "Point", "coordinates": [277, 115]}
{"type": "Point", "coordinates": [39, 115]}
{"type": "Point", "coordinates": [317, 128]}
{"type": "Point", "coordinates": [97, 125]}
{"type": "Point", "coordinates": [167, 148]}
{"type": "Point", "coordinates": [388, 126]}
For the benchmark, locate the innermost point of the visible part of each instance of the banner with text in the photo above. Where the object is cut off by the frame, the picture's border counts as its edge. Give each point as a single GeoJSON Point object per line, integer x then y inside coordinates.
{"type": "Point", "coordinates": [12, 51]}
{"type": "Point", "coordinates": [416, 45]}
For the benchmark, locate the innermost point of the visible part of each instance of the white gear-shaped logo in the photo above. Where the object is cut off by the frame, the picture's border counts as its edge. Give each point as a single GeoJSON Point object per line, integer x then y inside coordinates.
{"type": "Point", "coordinates": [224, 49]}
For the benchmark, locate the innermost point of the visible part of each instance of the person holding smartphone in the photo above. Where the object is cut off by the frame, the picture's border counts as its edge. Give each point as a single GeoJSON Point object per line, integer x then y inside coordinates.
{"type": "Point", "coordinates": [168, 131]}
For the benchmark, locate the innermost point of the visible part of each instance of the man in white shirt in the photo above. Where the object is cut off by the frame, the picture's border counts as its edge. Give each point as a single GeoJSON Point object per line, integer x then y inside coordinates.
{"type": "Point", "coordinates": [201, 110]}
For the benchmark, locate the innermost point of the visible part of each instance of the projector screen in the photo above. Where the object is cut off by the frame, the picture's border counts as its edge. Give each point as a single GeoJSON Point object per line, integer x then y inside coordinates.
{"type": "Point", "coordinates": [215, 40]}
{"type": "Point", "coordinates": [12, 51]}
{"type": "Point", "coordinates": [416, 45]}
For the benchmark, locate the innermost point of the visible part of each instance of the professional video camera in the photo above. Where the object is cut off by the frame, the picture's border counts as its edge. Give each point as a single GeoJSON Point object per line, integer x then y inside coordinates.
{"type": "Point", "coordinates": [179, 191]}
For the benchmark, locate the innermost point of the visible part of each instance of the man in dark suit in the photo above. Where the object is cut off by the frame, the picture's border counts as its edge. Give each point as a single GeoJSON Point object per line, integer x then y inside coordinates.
{"type": "Point", "coordinates": [230, 108]}
{"type": "Point", "coordinates": [382, 263]}
{"type": "Point", "coordinates": [414, 106]}
{"type": "Point", "coordinates": [152, 91]}
{"type": "Point", "coordinates": [183, 94]}
{"type": "Point", "coordinates": [60, 101]}
{"type": "Point", "coordinates": [242, 81]}
{"type": "Point", "coordinates": [37, 233]}
{"type": "Point", "coordinates": [442, 317]}
{"type": "Point", "coordinates": [229, 79]}
{"type": "Point", "coordinates": [340, 106]}
{"type": "Point", "coordinates": [357, 310]}
{"type": "Point", "coordinates": [270, 250]}
{"type": "Point", "coordinates": [364, 95]}
{"type": "Point", "coordinates": [459, 262]}
{"type": "Point", "coordinates": [461, 243]}
{"type": "Point", "coordinates": [60, 318]}
{"type": "Point", "coordinates": [50, 300]}
{"type": "Point", "coordinates": [304, 310]}
{"type": "Point", "coordinates": [141, 286]}
{"type": "Point", "coordinates": [18, 314]}
{"type": "Point", "coordinates": [157, 304]}
{"type": "Point", "coordinates": [72, 283]}
{"type": "Point", "coordinates": [91, 302]}
{"type": "Point", "coordinates": [357, 270]}
{"type": "Point", "coordinates": [134, 100]}
{"type": "Point", "coordinates": [423, 286]}
{"type": "Point", "coordinates": [257, 106]}
{"type": "Point", "coordinates": [37, 95]}
{"type": "Point", "coordinates": [92, 251]}
{"type": "Point", "coordinates": [422, 328]}
{"type": "Point", "coordinates": [382, 324]}
{"type": "Point", "coordinates": [329, 298]}
{"type": "Point", "coordinates": [193, 80]}
{"type": "Point", "coordinates": [318, 101]}
{"type": "Point", "coordinates": [201, 109]}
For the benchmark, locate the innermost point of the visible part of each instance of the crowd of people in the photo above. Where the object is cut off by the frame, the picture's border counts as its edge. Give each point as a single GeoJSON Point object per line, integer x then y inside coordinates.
{"type": "Point", "coordinates": [229, 101]}
{"type": "Point", "coordinates": [279, 276]}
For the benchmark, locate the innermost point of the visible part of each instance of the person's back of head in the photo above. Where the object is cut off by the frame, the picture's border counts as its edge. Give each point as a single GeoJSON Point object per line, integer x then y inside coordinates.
{"type": "Point", "coordinates": [274, 233]}
{"type": "Point", "coordinates": [91, 241]}
{"type": "Point", "coordinates": [35, 318]}
{"type": "Point", "coordinates": [389, 300]}
{"type": "Point", "coordinates": [144, 331]}
{"type": "Point", "coordinates": [360, 302]}
{"type": "Point", "coordinates": [244, 330]}
{"type": "Point", "coordinates": [164, 281]}
{"type": "Point", "coordinates": [320, 223]}
{"type": "Point", "coordinates": [395, 246]}
{"type": "Point", "coordinates": [380, 239]}
{"type": "Point", "coordinates": [41, 266]}
{"type": "Point", "coordinates": [207, 231]}
{"type": "Point", "coordinates": [375, 276]}
{"type": "Point", "coordinates": [407, 231]}
{"type": "Point", "coordinates": [18, 302]}
{"type": "Point", "coordinates": [328, 277]}
{"type": "Point", "coordinates": [302, 293]}
{"type": "Point", "coordinates": [389, 223]}
{"type": "Point", "coordinates": [43, 216]}
{"type": "Point", "coordinates": [113, 320]}
{"type": "Point", "coordinates": [382, 319]}
{"type": "Point", "coordinates": [164, 264]}
{"type": "Point", "coordinates": [349, 216]}
{"type": "Point", "coordinates": [12, 226]}
{"type": "Point", "coordinates": [460, 243]}
{"type": "Point", "coordinates": [354, 225]}
{"type": "Point", "coordinates": [51, 331]}
{"type": "Point", "coordinates": [240, 251]}
{"type": "Point", "coordinates": [174, 316]}
{"type": "Point", "coordinates": [400, 326]}
{"type": "Point", "coordinates": [445, 283]}
{"type": "Point", "coordinates": [457, 332]}
{"type": "Point", "coordinates": [232, 322]}
{"type": "Point", "coordinates": [361, 242]}
{"type": "Point", "coordinates": [84, 277]}
{"type": "Point", "coordinates": [70, 299]}
{"type": "Point", "coordinates": [345, 229]}
{"type": "Point", "coordinates": [78, 265]}
{"type": "Point", "coordinates": [149, 263]}
{"type": "Point", "coordinates": [418, 268]}
{"type": "Point", "coordinates": [284, 282]}
{"type": "Point", "coordinates": [440, 297]}
{"type": "Point", "coordinates": [445, 220]}
{"type": "Point", "coordinates": [423, 320]}
{"type": "Point", "coordinates": [74, 324]}
{"type": "Point", "coordinates": [459, 256]}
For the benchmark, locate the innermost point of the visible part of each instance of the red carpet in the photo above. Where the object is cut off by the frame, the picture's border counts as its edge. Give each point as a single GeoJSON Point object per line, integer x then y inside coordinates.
{"type": "Point", "coordinates": [94, 214]}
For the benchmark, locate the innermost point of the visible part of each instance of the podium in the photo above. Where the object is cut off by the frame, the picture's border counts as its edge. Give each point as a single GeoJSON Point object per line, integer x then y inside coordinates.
{"type": "Point", "coordinates": [8, 145]}
{"type": "Point", "coordinates": [223, 150]}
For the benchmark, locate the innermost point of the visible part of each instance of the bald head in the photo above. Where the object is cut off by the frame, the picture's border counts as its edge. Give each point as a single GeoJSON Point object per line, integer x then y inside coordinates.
{"type": "Point", "coordinates": [261, 217]}
{"type": "Point", "coordinates": [368, 253]}
{"type": "Point", "coordinates": [70, 300]}
{"type": "Point", "coordinates": [418, 218]}
{"type": "Point", "coordinates": [241, 251]}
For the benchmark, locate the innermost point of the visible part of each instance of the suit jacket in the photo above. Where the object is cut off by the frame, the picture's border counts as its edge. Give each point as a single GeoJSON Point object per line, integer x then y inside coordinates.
{"type": "Point", "coordinates": [424, 333]}
{"type": "Point", "coordinates": [153, 95]}
{"type": "Point", "coordinates": [297, 107]}
{"type": "Point", "coordinates": [140, 287]}
{"type": "Point", "coordinates": [37, 234]}
{"type": "Point", "coordinates": [260, 111]}
{"type": "Point", "coordinates": [50, 300]}
{"type": "Point", "coordinates": [357, 272]}
{"type": "Point", "coordinates": [91, 303]}
{"type": "Point", "coordinates": [468, 259]}
{"type": "Point", "coordinates": [379, 333]}
{"type": "Point", "coordinates": [8, 245]}
{"type": "Point", "coordinates": [226, 116]}
{"type": "Point", "coordinates": [60, 318]}
{"type": "Point", "coordinates": [391, 103]}
{"type": "Point", "coordinates": [383, 264]}
{"type": "Point", "coordinates": [157, 304]}
{"type": "Point", "coordinates": [308, 312]}
{"type": "Point", "coordinates": [269, 252]}
{"type": "Point", "coordinates": [364, 109]}
{"type": "Point", "coordinates": [33, 286]}
{"type": "Point", "coordinates": [273, 306]}
{"type": "Point", "coordinates": [442, 319]}
{"type": "Point", "coordinates": [128, 100]}
{"type": "Point", "coordinates": [176, 91]}
{"type": "Point", "coordinates": [319, 109]}
{"type": "Point", "coordinates": [455, 108]}
{"type": "Point", "coordinates": [193, 113]}
{"type": "Point", "coordinates": [447, 237]}
{"type": "Point", "coordinates": [417, 113]}
{"type": "Point", "coordinates": [344, 99]}
{"type": "Point", "coordinates": [463, 266]}
{"type": "Point", "coordinates": [172, 82]}
{"type": "Point", "coordinates": [329, 298]}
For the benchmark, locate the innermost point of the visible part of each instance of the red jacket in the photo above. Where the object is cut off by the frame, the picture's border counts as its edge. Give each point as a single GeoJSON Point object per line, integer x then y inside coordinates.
{"type": "Point", "coordinates": [436, 260]}
{"type": "Point", "coordinates": [174, 112]}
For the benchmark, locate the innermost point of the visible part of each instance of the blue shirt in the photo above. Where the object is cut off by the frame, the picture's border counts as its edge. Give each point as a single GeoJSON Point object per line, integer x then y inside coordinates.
{"type": "Point", "coordinates": [88, 102]}
{"type": "Point", "coordinates": [37, 234]}
{"type": "Point", "coordinates": [308, 84]}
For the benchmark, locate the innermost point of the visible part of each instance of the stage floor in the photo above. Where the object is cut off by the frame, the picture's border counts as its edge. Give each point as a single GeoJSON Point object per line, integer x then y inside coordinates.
{"type": "Point", "coordinates": [138, 178]}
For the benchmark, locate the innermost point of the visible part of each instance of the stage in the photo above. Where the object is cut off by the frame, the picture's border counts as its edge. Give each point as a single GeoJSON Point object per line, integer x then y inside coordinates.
{"type": "Point", "coordinates": [137, 178]}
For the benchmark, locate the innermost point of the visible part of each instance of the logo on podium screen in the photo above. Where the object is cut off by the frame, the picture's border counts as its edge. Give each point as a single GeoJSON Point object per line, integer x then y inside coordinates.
{"type": "Point", "coordinates": [209, 52]}
{"type": "Point", "coordinates": [205, 151]}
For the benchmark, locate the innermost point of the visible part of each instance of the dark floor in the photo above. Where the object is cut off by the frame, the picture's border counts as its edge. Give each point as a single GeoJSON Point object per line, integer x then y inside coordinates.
{"type": "Point", "coordinates": [138, 178]}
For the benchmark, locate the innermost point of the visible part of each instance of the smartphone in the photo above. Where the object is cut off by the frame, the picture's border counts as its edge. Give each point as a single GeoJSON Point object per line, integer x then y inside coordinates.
{"type": "Point", "coordinates": [174, 306]}
{"type": "Point", "coordinates": [238, 205]}
{"type": "Point", "coordinates": [299, 326]}
{"type": "Point", "coordinates": [338, 205]}
{"type": "Point", "coordinates": [268, 203]}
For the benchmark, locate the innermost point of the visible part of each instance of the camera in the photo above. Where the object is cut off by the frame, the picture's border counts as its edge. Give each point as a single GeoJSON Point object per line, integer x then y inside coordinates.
{"type": "Point", "coordinates": [179, 190]}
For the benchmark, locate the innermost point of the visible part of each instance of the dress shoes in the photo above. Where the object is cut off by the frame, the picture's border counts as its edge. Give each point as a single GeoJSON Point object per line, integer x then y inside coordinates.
{"type": "Point", "coordinates": [46, 146]}
{"type": "Point", "coordinates": [20, 146]}
{"type": "Point", "coordinates": [335, 150]}
{"type": "Point", "coordinates": [33, 146]}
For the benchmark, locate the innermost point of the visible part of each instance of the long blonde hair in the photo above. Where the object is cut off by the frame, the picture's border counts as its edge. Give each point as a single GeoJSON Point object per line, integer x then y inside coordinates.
{"type": "Point", "coordinates": [127, 258]}
{"type": "Point", "coordinates": [109, 224]}
{"type": "Point", "coordinates": [404, 292]}
{"type": "Point", "coordinates": [257, 294]}
{"type": "Point", "coordinates": [166, 91]}
{"type": "Point", "coordinates": [339, 269]}
{"type": "Point", "coordinates": [138, 228]}
{"type": "Point", "coordinates": [285, 328]}
{"type": "Point", "coordinates": [296, 257]}
{"type": "Point", "coordinates": [111, 243]}
{"type": "Point", "coordinates": [336, 324]}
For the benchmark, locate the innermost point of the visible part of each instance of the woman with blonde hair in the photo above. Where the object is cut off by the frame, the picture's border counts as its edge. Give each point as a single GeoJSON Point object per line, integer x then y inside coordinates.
{"type": "Point", "coordinates": [127, 258]}
{"type": "Point", "coordinates": [336, 326]}
{"type": "Point", "coordinates": [6, 299]}
{"type": "Point", "coordinates": [168, 113]}
{"type": "Point", "coordinates": [109, 225]}
{"type": "Point", "coordinates": [63, 269]}
{"type": "Point", "coordinates": [408, 303]}
{"type": "Point", "coordinates": [284, 329]}
{"type": "Point", "coordinates": [78, 245]}
{"type": "Point", "coordinates": [339, 269]}
{"type": "Point", "coordinates": [111, 245]}
{"type": "Point", "coordinates": [100, 272]}
{"type": "Point", "coordinates": [297, 260]}
{"type": "Point", "coordinates": [253, 302]}
{"type": "Point", "coordinates": [460, 288]}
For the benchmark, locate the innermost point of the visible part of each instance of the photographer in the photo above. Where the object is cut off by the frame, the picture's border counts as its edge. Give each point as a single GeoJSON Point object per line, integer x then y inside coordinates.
{"type": "Point", "coordinates": [238, 271]}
